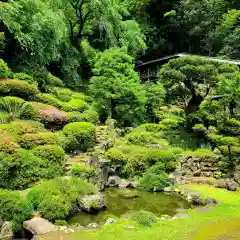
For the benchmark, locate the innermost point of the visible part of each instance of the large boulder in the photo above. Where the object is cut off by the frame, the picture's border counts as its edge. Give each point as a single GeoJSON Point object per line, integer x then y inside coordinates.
{"type": "Point", "coordinates": [38, 226]}
{"type": "Point", "coordinates": [92, 203]}
{"type": "Point", "coordinates": [195, 198]}
{"type": "Point", "coordinates": [6, 232]}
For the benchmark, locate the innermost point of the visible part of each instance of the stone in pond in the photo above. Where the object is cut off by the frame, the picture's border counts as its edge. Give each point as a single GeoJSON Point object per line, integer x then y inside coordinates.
{"type": "Point", "coordinates": [128, 194]}
{"type": "Point", "coordinates": [6, 231]}
{"type": "Point", "coordinates": [111, 221]}
{"type": "Point", "coordinates": [123, 183]}
{"type": "Point", "coordinates": [92, 203]}
{"type": "Point", "coordinates": [93, 226]}
{"type": "Point", "coordinates": [195, 198]}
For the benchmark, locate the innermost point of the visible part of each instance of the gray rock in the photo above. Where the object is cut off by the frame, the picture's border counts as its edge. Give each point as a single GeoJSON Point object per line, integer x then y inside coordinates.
{"type": "Point", "coordinates": [6, 231]}
{"type": "Point", "coordinates": [93, 226]}
{"type": "Point", "coordinates": [38, 226]}
{"type": "Point", "coordinates": [197, 173]}
{"type": "Point", "coordinates": [111, 221]}
{"type": "Point", "coordinates": [181, 216]}
{"type": "Point", "coordinates": [195, 198]}
{"type": "Point", "coordinates": [113, 181]}
{"type": "Point", "coordinates": [130, 228]}
{"type": "Point", "coordinates": [123, 183]}
{"type": "Point", "coordinates": [232, 186]}
{"type": "Point", "coordinates": [92, 203]}
{"type": "Point", "coordinates": [210, 201]}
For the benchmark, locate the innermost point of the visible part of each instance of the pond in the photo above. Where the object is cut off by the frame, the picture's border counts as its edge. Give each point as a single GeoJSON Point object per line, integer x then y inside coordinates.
{"type": "Point", "coordinates": [157, 203]}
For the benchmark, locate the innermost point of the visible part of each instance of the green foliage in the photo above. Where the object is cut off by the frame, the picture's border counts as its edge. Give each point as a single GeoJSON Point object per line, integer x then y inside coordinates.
{"type": "Point", "coordinates": [4, 117]}
{"type": "Point", "coordinates": [84, 172]}
{"type": "Point", "coordinates": [14, 207]}
{"type": "Point", "coordinates": [20, 169]}
{"type": "Point", "coordinates": [223, 140]}
{"type": "Point", "coordinates": [144, 218]}
{"type": "Point", "coordinates": [86, 116]}
{"type": "Point", "coordinates": [4, 70]}
{"type": "Point", "coordinates": [31, 140]}
{"type": "Point", "coordinates": [116, 88]}
{"type": "Point", "coordinates": [152, 127]}
{"type": "Point", "coordinates": [24, 77]}
{"type": "Point", "coordinates": [18, 88]}
{"type": "Point", "coordinates": [83, 132]}
{"type": "Point", "coordinates": [15, 107]}
{"type": "Point", "coordinates": [201, 152]}
{"type": "Point", "coordinates": [153, 182]}
{"type": "Point", "coordinates": [74, 105]}
{"type": "Point", "coordinates": [48, 99]}
{"type": "Point", "coordinates": [7, 143]}
{"type": "Point", "coordinates": [54, 199]}
{"type": "Point", "coordinates": [54, 81]}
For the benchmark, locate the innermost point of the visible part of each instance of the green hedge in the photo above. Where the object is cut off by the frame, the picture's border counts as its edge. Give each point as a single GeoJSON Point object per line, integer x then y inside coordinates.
{"type": "Point", "coordinates": [20, 169]}
{"type": "Point", "coordinates": [18, 88]}
{"type": "Point", "coordinates": [14, 207]}
{"type": "Point", "coordinates": [54, 199]}
{"type": "Point", "coordinates": [30, 141]}
{"type": "Point", "coordinates": [83, 132]}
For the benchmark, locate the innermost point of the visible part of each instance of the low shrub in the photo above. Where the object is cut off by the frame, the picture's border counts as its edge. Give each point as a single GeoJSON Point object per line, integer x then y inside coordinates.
{"type": "Point", "coordinates": [14, 207]}
{"type": "Point", "coordinates": [84, 132]}
{"type": "Point", "coordinates": [24, 77]}
{"type": "Point", "coordinates": [87, 116]}
{"type": "Point", "coordinates": [48, 99]}
{"type": "Point", "coordinates": [55, 159]}
{"type": "Point", "coordinates": [4, 118]}
{"type": "Point", "coordinates": [152, 127]}
{"type": "Point", "coordinates": [172, 122]}
{"type": "Point", "coordinates": [31, 140]}
{"type": "Point", "coordinates": [7, 143]}
{"type": "Point", "coordinates": [223, 140]}
{"type": "Point", "coordinates": [54, 199]}
{"type": "Point", "coordinates": [116, 156]}
{"type": "Point", "coordinates": [20, 169]}
{"type": "Point", "coordinates": [84, 172]}
{"type": "Point", "coordinates": [62, 94]}
{"type": "Point", "coordinates": [155, 179]}
{"type": "Point", "coordinates": [144, 218]}
{"type": "Point", "coordinates": [74, 105]}
{"type": "Point", "coordinates": [54, 81]}
{"type": "Point", "coordinates": [4, 70]}
{"type": "Point", "coordinates": [18, 88]}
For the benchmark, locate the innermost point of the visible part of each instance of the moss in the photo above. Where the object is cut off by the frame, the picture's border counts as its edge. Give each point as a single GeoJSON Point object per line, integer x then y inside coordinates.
{"type": "Point", "coordinates": [18, 88]}
{"type": "Point", "coordinates": [31, 140]}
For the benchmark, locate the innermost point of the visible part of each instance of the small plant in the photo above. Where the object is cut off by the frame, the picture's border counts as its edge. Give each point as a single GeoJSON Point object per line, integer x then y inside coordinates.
{"type": "Point", "coordinates": [4, 70]}
{"type": "Point", "coordinates": [15, 107]}
{"type": "Point", "coordinates": [144, 218]}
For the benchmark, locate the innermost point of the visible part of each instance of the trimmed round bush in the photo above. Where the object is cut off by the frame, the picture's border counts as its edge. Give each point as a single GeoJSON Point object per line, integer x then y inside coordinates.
{"type": "Point", "coordinates": [144, 218]}
{"type": "Point", "coordinates": [84, 132]}
{"type": "Point", "coordinates": [87, 116]}
{"type": "Point", "coordinates": [74, 105]}
{"type": "Point", "coordinates": [21, 169]}
{"type": "Point", "coordinates": [14, 207]}
{"type": "Point", "coordinates": [84, 172]}
{"type": "Point", "coordinates": [7, 143]}
{"type": "Point", "coordinates": [18, 88]}
{"type": "Point", "coordinates": [62, 94]}
{"type": "Point", "coordinates": [4, 70]}
{"type": "Point", "coordinates": [55, 198]}
{"type": "Point", "coordinates": [48, 99]}
{"type": "Point", "coordinates": [54, 81]}
{"type": "Point", "coordinates": [55, 159]}
{"type": "Point", "coordinates": [30, 141]}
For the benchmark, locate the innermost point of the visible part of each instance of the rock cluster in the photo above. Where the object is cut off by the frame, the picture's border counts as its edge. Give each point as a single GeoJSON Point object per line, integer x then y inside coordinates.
{"type": "Point", "coordinates": [199, 166]}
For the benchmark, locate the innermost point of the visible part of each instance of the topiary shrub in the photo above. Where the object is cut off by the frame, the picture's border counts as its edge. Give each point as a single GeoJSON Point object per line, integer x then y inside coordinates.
{"type": "Point", "coordinates": [144, 218]}
{"type": "Point", "coordinates": [4, 70]}
{"type": "Point", "coordinates": [84, 132]}
{"type": "Point", "coordinates": [18, 88]}
{"type": "Point", "coordinates": [63, 94]}
{"type": "Point", "coordinates": [30, 140]}
{"type": "Point", "coordinates": [54, 199]}
{"type": "Point", "coordinates": [24, 77]}
{"type": "Point", "coordinates": [55, 159]}
{"type": "Point", "coordinates": [48, 99]}
{"type": "Point", "coordinates": [84, 172]}
{"type": "Point", "coordinates": [49, 114]}
{"type": "Point", "coordinates": [15, 208]}
{"type": "Point", "coordinates": [74, 105]}
{"type": "Point", "coordinates": [20, 169]}
{"type": "Point", "coordinates": [54, 81]}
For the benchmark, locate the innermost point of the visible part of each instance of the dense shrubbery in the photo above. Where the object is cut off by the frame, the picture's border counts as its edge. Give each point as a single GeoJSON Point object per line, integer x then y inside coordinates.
{"type": "Point", "coordinates": [84, 172]}
{"type": "Point", "coordinates": [14, 207]}
{"type": "Point", "coordinates": [83, 132]}
{"type": "Point", "coordinates": [54, 81]}
{"type": "Point", "coordinates": [86, 116]}
{"type": "Point", "coordinates": [31, 140]}
{"type": "Point", "coordinates": [56, 198]}
{"type": "Point", "coordinates": [18, 88]}
{"type": "Point", "coordinates": [20, 169]}
{"type": "Point", "coordinates": [4, 70]}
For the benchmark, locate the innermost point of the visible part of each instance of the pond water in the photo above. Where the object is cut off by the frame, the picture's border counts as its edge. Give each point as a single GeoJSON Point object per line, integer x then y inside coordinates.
{"type": "Point", "coordinates": [157, 203]}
